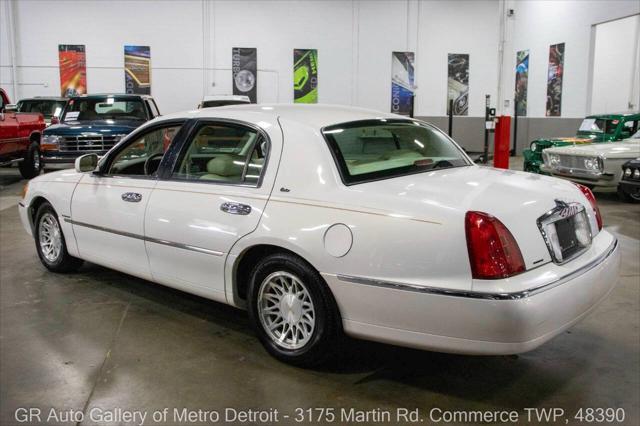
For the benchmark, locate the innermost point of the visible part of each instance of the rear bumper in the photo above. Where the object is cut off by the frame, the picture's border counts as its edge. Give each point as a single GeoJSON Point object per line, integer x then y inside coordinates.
{"type": "Point", "coordinates": [479, 323]}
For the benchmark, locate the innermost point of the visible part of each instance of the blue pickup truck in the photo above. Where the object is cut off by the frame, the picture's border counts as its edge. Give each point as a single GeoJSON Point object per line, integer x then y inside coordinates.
{"type": "Point", "coordinates": [93, 124]}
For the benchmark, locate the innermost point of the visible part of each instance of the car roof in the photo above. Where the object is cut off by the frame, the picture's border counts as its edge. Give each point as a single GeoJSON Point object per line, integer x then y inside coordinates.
{"type": "Point", "coordinates": [226, 98]}
{"type": "Point", "coordinates": [617, 115]}
{"type": "Point", "coordinates": [312, 115]}
{"type": "Point", "coordinates": [45, 98]}
{"type": "Point", "coordinates": [119, 95]}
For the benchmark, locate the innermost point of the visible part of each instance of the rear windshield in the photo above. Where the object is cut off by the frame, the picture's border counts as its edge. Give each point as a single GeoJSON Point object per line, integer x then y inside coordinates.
{"type": "Point", "coordinates": [47, 107]}
{"type": "Point", "coordinates": [379, 149]}
{"type": "Point", "coordinates": [106, 108]}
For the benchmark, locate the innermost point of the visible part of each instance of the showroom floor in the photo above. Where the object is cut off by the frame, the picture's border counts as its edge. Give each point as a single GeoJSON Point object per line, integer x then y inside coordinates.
{"type": "Point", "coordinates": [99, 338]}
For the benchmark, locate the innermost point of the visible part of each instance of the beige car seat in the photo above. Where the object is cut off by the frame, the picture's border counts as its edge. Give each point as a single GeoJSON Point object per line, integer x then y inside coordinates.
{"type": "Point", "coordinates": [225, 168]}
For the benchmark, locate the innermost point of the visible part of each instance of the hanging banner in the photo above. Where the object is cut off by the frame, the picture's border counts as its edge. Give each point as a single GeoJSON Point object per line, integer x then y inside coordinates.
{"type": "Point", "coordinates": [402, 75]}
{"type": "Point", "coordinates": [305, 76]}
{"type": "Point", "coordinates": [458, 83]}
{"type": "Point", "coordinates": [137, 69]}
{"type": "Point", "coordinates": [73, 69]}
{"type": "Point", "coordinates": [522, 81]}
{"type": "Point", "coordinates": [554, 80]}
{"type": "Point", "coordinates": [244, 67]}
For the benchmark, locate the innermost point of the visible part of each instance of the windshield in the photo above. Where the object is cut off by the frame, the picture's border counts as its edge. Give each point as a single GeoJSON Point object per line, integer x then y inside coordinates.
{"type": "Point", "coordinates": [106, 108]}
{"type": "Point", "coordinates": [48, 108]}
{"type": "Point", "coordinates": [378, 149]}
{"type": "Point", "coordinates": [211, 104]}
{"type": "Point", "coordinates": [598, 125]}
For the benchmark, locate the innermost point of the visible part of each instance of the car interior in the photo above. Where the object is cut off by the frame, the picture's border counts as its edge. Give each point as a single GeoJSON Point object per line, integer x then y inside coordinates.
{"type": "Point", "coordinates": [224, 154]}
{"type": "Point", "coordinates": [372, 149]}
{"type": "Point", "coordinates": [229, 154]}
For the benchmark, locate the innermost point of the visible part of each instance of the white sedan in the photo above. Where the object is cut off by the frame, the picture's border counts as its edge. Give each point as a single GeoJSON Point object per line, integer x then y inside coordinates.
{"type": "Point", "coordinates": [324, 220]}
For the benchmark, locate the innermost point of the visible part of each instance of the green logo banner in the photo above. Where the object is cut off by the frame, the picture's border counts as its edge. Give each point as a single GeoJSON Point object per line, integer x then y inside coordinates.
{"type": "Point", "coordinates": [305, 76]}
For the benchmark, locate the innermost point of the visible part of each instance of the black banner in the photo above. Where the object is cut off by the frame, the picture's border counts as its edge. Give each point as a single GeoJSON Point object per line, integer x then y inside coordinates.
{"type": "Point", "coordinates": [137, 69]}
{"type": "Point", "coordinates": [244, 66]}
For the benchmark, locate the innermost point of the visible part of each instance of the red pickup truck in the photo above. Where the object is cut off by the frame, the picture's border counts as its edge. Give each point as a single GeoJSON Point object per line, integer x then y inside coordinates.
{"type": "Point", "coordinates": [20, 138]}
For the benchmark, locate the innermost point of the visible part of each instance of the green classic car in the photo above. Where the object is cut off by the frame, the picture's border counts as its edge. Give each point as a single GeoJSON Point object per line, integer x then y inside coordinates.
{"type": "Point", "coordinates": [595, 128]}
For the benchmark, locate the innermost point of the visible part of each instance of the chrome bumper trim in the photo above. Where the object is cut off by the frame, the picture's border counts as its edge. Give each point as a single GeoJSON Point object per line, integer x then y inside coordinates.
{"type": "Point", "coordinates": [483, 295]}
{"type": "Point", "coordinates": [146, 239]}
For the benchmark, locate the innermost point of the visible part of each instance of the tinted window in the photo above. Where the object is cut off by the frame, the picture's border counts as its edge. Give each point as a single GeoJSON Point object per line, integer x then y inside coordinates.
{"type": "Point", "coordinates": [107, 108]}
{"type": "Point", "coordinates": [143, 155]}
{"type": "Point", "coordinates": [48, 108]}
{"type": "Point", "coordinates": [211, 104]}
{"type": "Point", "coordinates": [223, 153]}
{"type": "Point", "coordinates": [376, 149]}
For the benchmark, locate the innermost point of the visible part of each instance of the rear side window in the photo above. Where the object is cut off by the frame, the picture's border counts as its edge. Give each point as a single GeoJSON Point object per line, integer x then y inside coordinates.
{"type": "Point", "coordinates": [223, 153]}
{"type": "Point", "coordinates": [379, 149]}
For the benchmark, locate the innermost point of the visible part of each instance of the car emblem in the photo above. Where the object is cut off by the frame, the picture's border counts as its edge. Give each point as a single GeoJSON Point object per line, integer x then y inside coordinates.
{"type": "Point", "coordinates": [566, 210]}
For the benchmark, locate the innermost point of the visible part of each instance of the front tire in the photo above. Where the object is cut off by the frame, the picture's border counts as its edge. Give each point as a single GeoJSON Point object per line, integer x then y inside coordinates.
{"type": "Point", "coordinates": [50, 243]}
{"type": "Point", "coordinates": [31, 166]}
{"type": "Point", "coordinates": [293, 311]}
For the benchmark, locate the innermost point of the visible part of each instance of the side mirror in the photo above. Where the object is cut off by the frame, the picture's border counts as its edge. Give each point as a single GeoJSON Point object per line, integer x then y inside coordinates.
{"type": "Point", "coordinates": [86, 163]}
{"type": "Point", "coordinates": [55, 120]}
{"type": "Point", "coordinates": [11, 108]}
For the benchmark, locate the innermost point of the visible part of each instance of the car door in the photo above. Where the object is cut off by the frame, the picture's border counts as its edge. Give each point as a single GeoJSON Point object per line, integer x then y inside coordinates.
{"type": "Point", "coordinates": [108, 207]}
{"type": "Point", "coordinates": [10, 137]}
{"type": "Point", "coordinates": [213, 195]}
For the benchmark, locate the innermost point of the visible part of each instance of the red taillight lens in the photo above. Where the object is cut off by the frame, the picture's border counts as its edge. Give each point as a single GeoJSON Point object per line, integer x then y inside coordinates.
{"type": "Point", "coordinates": [493, 252]}
{"type": "Point", "coordinates": [592, 199]}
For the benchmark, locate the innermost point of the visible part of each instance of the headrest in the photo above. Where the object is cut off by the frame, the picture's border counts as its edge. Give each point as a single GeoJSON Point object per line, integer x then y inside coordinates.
{"type": "Point", "coordinates": [223, 165]}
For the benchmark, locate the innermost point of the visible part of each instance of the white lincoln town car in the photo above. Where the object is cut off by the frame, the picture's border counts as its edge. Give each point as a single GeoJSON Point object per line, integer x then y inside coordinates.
{"type": "Point", "coordinates": [324, 220]}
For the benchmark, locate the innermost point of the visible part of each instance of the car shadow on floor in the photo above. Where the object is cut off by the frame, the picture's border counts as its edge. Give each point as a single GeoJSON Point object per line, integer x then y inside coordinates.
{"type": "Point", "coordinates": [516, 381]}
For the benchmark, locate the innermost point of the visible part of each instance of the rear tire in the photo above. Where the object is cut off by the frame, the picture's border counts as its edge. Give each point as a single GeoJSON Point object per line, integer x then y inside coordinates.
{"type": "Point", "coordinates": [31, 166]}
{"type": "Point", "coordinates": [50, 243]}
{"type": "Point", "coordinates": [293, 312]}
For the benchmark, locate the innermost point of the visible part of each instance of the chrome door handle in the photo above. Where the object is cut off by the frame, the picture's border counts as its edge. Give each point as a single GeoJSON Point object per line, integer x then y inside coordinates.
{"type": "Point", "coordinates": [235, 208]}
{"type": "Point", "coordinates": [132, 197]}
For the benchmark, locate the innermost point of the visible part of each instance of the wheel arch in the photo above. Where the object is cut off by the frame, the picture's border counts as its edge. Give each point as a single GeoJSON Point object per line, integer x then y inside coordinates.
{"type": "Point", "coordinates": [35, 136]}
{"type": "Point", "coordinates": [248, 258]}
{"type": "Point", "coordinates": [33, 207]}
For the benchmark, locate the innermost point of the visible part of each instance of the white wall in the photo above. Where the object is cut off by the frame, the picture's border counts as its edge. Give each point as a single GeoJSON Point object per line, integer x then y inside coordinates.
{"type": "Point", "coordinates": [539, 24]}
{"type": "Point", "coordinates": [615, 75]}
{"type": "Point", "coordinates": [354, 41]}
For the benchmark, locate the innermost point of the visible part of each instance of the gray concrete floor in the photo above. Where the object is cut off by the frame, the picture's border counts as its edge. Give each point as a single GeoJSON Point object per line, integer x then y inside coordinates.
{"type": "Point", "coordinates": [101, 339]}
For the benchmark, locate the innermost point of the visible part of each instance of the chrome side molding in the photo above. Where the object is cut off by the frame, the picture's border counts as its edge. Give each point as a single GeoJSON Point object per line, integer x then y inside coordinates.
{"type": "Point", "coordinates": [483, 295]}
{"type": "Point", "coordinates": [146, 239]}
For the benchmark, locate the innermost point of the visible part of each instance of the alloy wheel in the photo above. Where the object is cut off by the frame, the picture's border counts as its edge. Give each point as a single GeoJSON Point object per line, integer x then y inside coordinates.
{"type": "Point", "coordinates": [286, 310]}
{"type": "Point", "coordinates": [50, 237]}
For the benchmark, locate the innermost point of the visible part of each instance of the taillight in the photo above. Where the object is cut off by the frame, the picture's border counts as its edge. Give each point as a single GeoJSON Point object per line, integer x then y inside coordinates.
{"type": "Point", "coordinates": [592, 200]}
{"type": "Point", "coordinates": [493, 252]}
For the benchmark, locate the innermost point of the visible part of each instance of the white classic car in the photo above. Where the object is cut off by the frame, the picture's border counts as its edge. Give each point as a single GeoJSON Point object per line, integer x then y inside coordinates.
{"type": "Point", "coordinates": [598, 165]}
{"type": "Point", "coordinates": [323, 220]}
